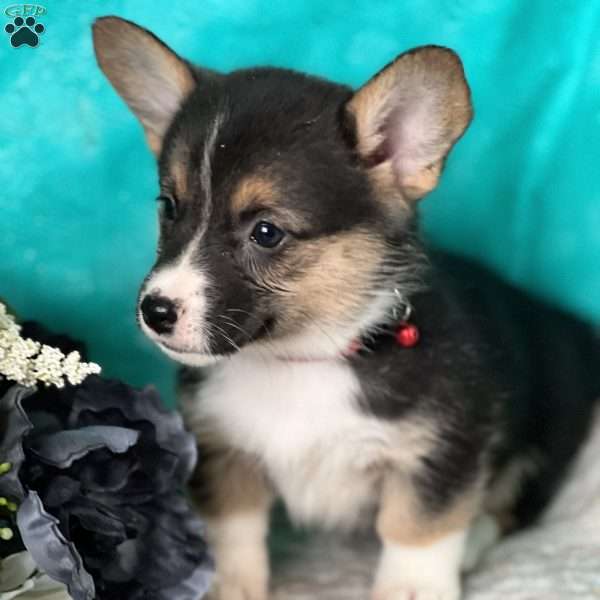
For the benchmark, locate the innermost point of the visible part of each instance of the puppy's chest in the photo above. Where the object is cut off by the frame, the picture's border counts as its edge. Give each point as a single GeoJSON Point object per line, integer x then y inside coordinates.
{"type": "Point", "coordinates": [303, 422]}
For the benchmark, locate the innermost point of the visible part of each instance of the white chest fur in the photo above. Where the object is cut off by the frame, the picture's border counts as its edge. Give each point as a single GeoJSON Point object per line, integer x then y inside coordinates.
{"type": "Point", "coordinates": [303, 422]}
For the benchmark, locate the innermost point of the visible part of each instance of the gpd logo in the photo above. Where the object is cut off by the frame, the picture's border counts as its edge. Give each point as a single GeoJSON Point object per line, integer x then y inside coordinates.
{"type": "Point", "coordinates": [24, 29]}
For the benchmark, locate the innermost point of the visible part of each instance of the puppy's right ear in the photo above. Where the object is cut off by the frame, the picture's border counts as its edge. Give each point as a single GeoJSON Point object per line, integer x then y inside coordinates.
{"type": "Point", "coordinates": [408, 117]}
{"type": "Point", "coordinates": [147, 74]}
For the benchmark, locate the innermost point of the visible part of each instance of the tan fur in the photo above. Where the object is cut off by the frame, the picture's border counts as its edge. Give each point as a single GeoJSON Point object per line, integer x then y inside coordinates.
{"type": "Point", "coordinates": [417, 185]}
{"type": "Point", "coordinates": [230, 481]}
{"type": "Point", "coordinates": [234, 499]}
{"type": "Point", "coordinates": [179, 168]}
{"type": "Point", "coordinates": [426, 76]}
{"type": "Point", "coordinates": [257, 190]}
{"type": "Point", "coordinates": [232, 494]}
{"type": "Point", "coordinates": [179, 174]}
{"type": "Point", "coordinates": [141, 68]}
{"type": "Point", "coordinates": [154, 142]}
{"type": "Point", "coordinates": [398, 194]}
{"type": "Point", "coordinates": [332, 277]}
{"type": "Point", "coordinates": [386, 188]}
{"type": "Point", "coordinates": [402, 519]}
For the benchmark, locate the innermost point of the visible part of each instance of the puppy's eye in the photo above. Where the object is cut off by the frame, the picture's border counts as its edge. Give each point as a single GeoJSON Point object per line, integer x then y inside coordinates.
{"type": "Point", "coordinates": [168, 207]}
{"type": "Point", "coordinates": [266, 234]}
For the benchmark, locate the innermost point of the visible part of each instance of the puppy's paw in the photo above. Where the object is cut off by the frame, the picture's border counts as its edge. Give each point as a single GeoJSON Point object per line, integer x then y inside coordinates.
{"type": "Point", "coordinates": [420, 572]}
{"type": "Point", "coordinates": [229, 588]}
{"type": "Point", "coordinates": [241, 558]}
{"type": "Point", "coordinates": [417, 591]}
{"type": "Point", "coordinates": [241, 575]}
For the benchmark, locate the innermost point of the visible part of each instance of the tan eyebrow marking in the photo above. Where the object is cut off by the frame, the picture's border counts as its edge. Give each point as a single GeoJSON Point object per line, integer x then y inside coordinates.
{"type": "Point", "coordinates": [254, 190]}
{"type": "Point", "coordinates": [179, 168]}
{"type": "Point", "coordinates": [179, 174]}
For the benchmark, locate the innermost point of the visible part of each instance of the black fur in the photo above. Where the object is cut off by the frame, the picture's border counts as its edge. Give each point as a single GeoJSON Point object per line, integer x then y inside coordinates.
{"type": "Point", "coordinates": [492, 362]}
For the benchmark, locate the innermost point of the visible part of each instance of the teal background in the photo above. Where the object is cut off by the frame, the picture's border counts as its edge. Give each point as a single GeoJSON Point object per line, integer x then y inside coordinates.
{"type": "Point", "coordinates": [521, 192]}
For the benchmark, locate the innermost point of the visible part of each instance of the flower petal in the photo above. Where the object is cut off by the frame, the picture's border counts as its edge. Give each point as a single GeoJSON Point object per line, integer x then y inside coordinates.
{"type": "Point", "coordinates": [62, 448]}
{"type": "Point", "coordinates": [26, 587]}
{"type": "Point", "coordinates": [51, 551]}
{"type": "Point", "coordinates": [15, 570]}
{"type": "Point", "coordinates": [38, 586]}
{"type": "Point", "coordinates": [192, 588]}
{"type": "Point", "coordinates": [60, 490]}
{"type": "Point", "coordinates": [51, 589]}
{"type": "Point", "coordinates": [138, 406]}
{"type": "Point", "coordinates": [95, 517]}
{"type": "Point", "coordinates": [14, 426]}
{"type": "Point", "coordinates": [168, 545]}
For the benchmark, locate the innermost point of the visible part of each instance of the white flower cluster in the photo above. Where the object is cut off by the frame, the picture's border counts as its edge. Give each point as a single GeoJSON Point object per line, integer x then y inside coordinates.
{"type": "Point", "coordinates": [28, 362]}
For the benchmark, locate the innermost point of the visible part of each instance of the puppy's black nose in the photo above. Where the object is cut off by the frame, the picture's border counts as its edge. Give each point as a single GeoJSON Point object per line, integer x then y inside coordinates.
{"type": "Point", "coordinates": [159, 313]}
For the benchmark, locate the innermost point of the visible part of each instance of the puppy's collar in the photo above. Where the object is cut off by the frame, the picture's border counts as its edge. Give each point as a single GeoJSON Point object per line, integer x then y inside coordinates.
{"type": "Point", "coordinates": [405, 333]}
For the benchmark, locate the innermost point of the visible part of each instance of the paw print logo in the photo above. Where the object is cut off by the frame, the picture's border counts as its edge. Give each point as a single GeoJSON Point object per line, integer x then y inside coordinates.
{"type": "Point", "coordinates": [24, 32]}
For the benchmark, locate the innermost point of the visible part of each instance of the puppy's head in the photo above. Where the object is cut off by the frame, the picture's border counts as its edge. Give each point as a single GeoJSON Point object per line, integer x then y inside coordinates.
{"type": "Point", "coordinates": [285, 200]}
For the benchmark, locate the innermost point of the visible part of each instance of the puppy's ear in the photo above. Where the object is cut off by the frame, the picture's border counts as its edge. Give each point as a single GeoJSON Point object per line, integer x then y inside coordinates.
{"type": "Point", "coordinates": [408, 117]}
{"type": "Point", "coordinates": [147, 74]}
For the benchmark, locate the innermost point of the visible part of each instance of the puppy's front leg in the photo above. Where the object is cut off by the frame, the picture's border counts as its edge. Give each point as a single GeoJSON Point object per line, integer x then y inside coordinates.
{"type": "Point", "coordinates": [234, 499]}
{"type": "Point", "coordinates": [422, 549]}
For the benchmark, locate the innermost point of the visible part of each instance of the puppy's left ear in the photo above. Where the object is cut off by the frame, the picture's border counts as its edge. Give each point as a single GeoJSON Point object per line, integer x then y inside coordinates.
{"type": "Point", "coordinates": [146, 73]}
{"type": "Point", "coordinates": [408, 117]}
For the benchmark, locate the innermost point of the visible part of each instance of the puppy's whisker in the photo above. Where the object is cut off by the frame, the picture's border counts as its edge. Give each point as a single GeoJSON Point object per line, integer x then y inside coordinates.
{"type": "Point", "coordinates": [232, 323]}
{"type": "Point", "coordinates": [229, 321]}
{"type": "Point", "coordinates": [226, 336]}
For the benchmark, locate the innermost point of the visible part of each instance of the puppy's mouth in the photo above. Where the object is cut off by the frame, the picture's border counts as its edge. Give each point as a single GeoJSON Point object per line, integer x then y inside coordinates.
{"type": "Point", "coordinates": [226, 347]}
{"type": "Point", "coordinates": [193, 358]}
{"type": "Point", "coordinates": [223, 344]}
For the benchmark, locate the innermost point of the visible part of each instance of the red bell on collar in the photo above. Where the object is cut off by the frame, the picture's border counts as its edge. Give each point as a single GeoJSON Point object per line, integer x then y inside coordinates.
{"type": "Point", "coordinates": [407, 335]}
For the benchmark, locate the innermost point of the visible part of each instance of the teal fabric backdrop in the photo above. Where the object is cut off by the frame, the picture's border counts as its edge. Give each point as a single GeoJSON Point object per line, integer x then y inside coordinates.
{"type": "Point", "coordinates": [521, 192]}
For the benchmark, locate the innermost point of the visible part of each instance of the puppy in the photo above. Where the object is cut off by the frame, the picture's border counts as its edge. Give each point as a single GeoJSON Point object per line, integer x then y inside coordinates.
{"type": "Point", "coordinates": [363, 379]}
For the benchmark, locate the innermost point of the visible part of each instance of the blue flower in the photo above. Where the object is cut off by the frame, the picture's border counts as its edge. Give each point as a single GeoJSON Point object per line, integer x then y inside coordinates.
{"type": "Point", "coordinates": [97, 470]}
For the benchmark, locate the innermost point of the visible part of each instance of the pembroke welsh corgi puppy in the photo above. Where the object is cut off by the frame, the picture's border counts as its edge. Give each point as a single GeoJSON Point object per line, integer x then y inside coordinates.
{"type": "Point", "coordinates": [345, 368]}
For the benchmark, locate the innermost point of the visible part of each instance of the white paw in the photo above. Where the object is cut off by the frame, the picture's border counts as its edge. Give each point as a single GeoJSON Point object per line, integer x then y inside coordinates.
{"type": "Point", "coordinates": [417, 592]}
{"type": "Point", "coordinates": [231, 589]}
{"type": "Point", "coordinates": [241, 558]}
{"type": "Point", "coordinates": [420, 572]}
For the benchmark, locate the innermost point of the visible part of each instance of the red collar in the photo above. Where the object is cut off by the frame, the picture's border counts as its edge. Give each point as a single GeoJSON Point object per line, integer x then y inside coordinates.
{"type": "Point", "coordinates": [405, 334]}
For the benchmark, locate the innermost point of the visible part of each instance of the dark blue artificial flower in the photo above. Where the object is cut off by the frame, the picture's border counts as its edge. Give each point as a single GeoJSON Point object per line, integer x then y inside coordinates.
{"type": "Point", "coordinates": [98, 472]}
